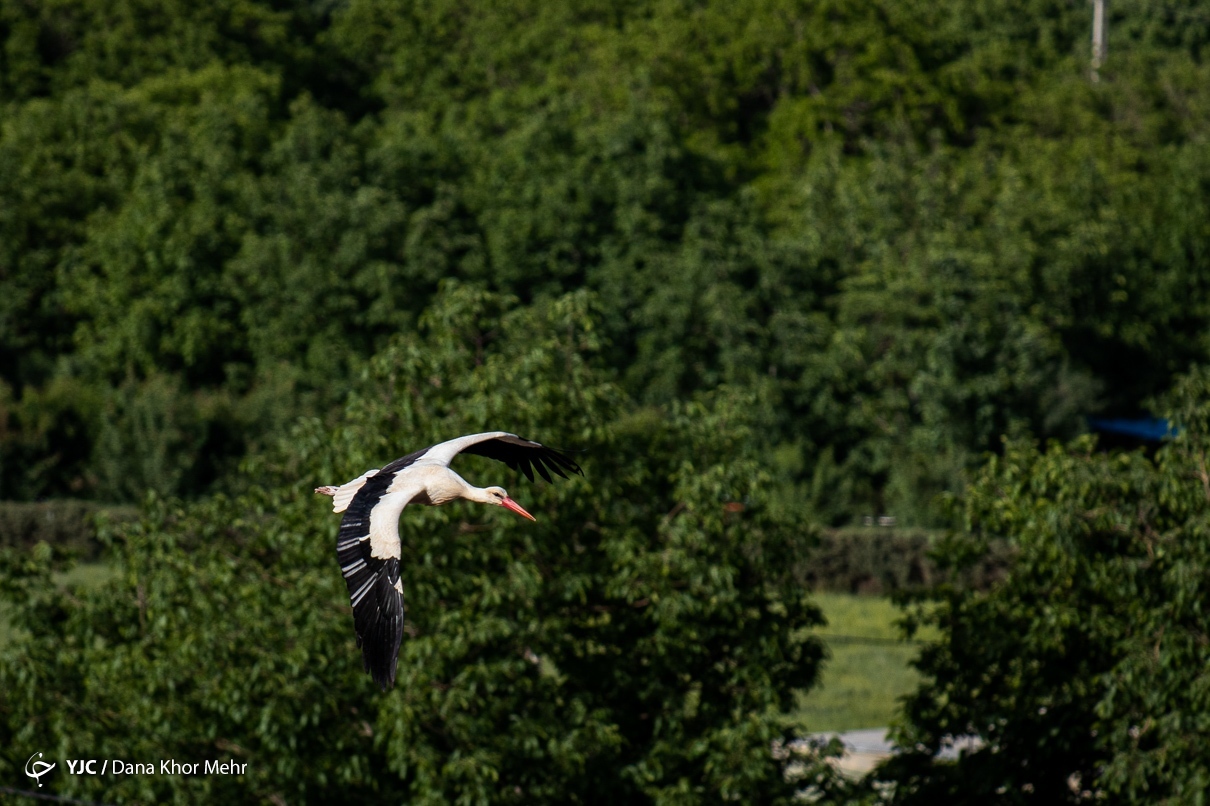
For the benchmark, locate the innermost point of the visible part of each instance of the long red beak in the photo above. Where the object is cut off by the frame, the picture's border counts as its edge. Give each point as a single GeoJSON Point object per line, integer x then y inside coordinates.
{"type": "Point", "coordinates": [515, 507]}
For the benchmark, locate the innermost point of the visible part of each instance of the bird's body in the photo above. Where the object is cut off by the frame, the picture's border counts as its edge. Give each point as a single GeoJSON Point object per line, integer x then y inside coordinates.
{"type": "Point", "coordinates": [369, 548]}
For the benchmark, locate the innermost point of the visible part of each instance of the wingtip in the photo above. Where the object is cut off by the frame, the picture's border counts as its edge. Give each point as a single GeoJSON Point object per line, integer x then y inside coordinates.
{"type": "Point", "coordinates": [380, 672]}
{"type": "Point", "coordinates": [562, 457]}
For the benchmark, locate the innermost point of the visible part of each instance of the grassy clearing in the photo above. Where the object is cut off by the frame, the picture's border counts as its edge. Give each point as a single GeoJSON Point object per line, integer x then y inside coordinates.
{"type": "Point", "coordinates": [85, 575]}
{"type": "Point", "coordinates": [868, 670]}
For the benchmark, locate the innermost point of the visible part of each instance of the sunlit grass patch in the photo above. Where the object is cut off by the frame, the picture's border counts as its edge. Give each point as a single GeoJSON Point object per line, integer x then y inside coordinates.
{"type": "Point", "coordinates": [868, 669]}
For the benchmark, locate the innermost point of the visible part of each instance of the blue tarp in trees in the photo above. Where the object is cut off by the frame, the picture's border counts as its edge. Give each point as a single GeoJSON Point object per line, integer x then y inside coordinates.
{"type": "Point", "coordinates": [1149, 428]}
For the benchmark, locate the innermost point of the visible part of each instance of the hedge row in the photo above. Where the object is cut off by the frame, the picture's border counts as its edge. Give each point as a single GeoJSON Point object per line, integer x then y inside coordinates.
{"type": "Point", "coordinates": [880, 560]}
{"type": "Point", "coordinates": [875, 560]}
{"type": "Point", "coordinates": [67, 524]}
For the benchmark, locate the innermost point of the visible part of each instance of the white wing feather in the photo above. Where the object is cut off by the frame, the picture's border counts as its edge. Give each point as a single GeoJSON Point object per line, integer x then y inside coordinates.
{"type": "Point", "coordinates": [345, 492]}
{"type": "Point", "coordinates": [444, 452]}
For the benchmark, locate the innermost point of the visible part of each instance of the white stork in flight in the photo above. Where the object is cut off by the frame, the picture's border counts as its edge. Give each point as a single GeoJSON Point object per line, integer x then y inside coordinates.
{"type": "Point", "coordinates": [368, 546]}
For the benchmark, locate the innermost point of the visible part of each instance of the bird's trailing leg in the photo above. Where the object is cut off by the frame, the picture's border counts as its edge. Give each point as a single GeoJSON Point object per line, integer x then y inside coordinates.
{"type": "Point", "coordinates": [329, 490]}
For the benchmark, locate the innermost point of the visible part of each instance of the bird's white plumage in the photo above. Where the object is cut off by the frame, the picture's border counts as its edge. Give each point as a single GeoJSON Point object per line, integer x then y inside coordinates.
{"type": "Point", "coordinates": [428, 474]}
{"type": "Point", "coordinates": [384, 522]}
{"type": "Point", "coordinates": [444, 452]}
{"type": "Point", "coordinates": [434, 484]}
{"type": "Point", "coordinates": [345, 492]}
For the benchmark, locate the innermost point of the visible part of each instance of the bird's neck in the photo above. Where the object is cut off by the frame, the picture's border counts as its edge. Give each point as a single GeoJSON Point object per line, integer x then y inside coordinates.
{"type": "Point", "coordinates": [449, 486]}
{"type": "Point", "coordinates": [478, 495]}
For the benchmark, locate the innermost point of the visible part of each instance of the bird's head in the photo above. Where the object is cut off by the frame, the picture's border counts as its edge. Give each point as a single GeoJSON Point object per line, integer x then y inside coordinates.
{"type": "Point", "coordinates": [498, 496]}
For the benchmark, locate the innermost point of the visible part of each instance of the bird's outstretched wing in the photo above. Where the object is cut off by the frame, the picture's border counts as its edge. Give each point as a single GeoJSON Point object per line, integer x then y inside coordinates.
{"type": "Point", "coordinates": [368, 550]}
{"type": "Point", "coordinates": [516, 452]}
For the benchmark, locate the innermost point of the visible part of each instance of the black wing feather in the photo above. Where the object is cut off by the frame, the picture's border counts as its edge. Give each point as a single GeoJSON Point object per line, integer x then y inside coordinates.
{"type": "Point", "coordinates": [377, 602]}
{"type": "Point", "coordinates": [526, 457]}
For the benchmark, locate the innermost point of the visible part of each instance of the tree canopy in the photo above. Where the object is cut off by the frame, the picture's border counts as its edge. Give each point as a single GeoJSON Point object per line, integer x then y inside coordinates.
{"type": "Point", "coordinates": [907, 227]}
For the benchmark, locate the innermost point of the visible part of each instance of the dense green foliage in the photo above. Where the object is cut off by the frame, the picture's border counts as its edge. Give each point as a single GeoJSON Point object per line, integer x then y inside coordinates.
{"type": "Point", "coordinates": [642, 642]}
{"type": "Point", "coordinates": [907, 228]}
{"type": "Point", "coordinates": [1085, 671]}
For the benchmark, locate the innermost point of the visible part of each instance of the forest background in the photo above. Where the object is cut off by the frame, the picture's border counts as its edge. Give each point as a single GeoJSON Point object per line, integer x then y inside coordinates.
{"type": "Point", "coordinates": [777, 265]}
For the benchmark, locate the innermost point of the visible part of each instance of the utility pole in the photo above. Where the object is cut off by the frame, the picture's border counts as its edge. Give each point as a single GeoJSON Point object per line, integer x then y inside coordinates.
{"type": "Point", "coordinates": [1099, 42]}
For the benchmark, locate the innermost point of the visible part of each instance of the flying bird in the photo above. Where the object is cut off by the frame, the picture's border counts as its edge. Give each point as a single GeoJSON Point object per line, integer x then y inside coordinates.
{"type": "Point", "coordinates": [368, 547]}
